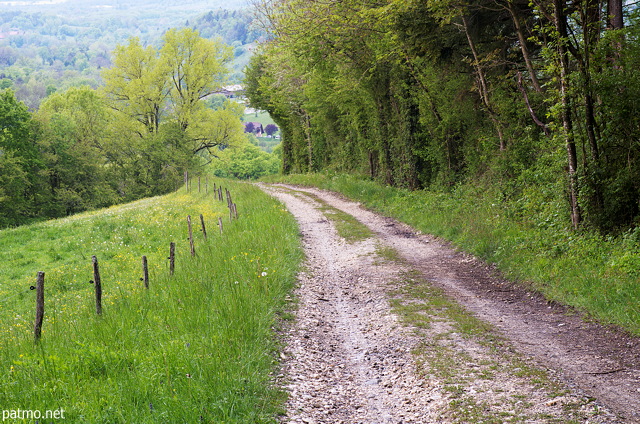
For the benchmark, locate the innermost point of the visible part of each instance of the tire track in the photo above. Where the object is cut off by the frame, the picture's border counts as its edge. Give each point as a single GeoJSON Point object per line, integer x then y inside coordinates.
{"type": "Point", "coordinates": [348, 357]}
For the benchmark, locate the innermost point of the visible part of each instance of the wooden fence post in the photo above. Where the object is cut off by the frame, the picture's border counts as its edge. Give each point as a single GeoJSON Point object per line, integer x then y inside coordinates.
{"type": "Point", "coordinates": [204, 229]}
{"type": "Point", "coordinates": [220, 223]}
{"type": "Point", "coordinates": [186, 180]}
{"type": "Point", "coordinates": [145, 272]}
{"type": "Point", "coordinates": [98, 285]}
{"type": "Point", "coordinates": [193, 248]}
{"type": "Point", "coordinates": [37, 328]}
{"type": "Point", "coordinates": [172, 257]}
{"type": "Point", "coordinates": [199, 185]}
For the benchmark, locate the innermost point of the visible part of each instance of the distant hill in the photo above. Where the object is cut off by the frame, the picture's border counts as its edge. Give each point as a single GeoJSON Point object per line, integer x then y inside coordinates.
{"type": "Point", "coordinates": [186, 6]}
{"type": "Point", "coordinates": [48, 45]}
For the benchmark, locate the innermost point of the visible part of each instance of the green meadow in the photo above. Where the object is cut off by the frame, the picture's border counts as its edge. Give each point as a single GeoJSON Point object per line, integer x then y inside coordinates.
{"type": "Point", "coordinates": [196, 346]}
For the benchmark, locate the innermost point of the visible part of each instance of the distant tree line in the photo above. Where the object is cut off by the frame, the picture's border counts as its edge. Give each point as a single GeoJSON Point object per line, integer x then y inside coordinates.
{"type": "Point", "coordinates": [538, 99]}
{"type": "Point", "coordinates": [134, 137]}
{"type": "Point", "coordinates": [43, 52]}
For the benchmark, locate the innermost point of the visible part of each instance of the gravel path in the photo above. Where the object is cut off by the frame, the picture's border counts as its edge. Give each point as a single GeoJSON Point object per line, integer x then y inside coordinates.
{"type": "Point", "coordinates": [364, 347]}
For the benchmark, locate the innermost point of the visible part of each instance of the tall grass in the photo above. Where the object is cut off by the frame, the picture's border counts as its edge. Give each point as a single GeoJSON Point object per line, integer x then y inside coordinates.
{"type": "Point", "coordinates": [597, 274]}
{"type": "Point", "coordinates": [195, 347]}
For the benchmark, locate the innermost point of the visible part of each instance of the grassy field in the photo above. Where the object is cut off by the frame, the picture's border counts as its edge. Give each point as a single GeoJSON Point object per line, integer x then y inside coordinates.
{"type": "Point", "coordinates": [195, 347]}
{"type": "Point", "coordinates": [263, 117]}
{"type": "Point", "coordinates": [597, 274]}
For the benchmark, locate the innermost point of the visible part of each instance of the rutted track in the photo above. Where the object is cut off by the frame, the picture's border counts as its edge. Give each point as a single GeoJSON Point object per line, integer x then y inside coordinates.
{"type": "Point", "coordinates": [349, 359]}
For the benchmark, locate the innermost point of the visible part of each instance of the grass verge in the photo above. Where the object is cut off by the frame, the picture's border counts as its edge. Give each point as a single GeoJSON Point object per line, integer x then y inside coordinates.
{"type": "Point", "coordinates": [197, 346]}
{"type": "Point", "coordinates": [347, 226]}
{"type": "Point", "coordinates": [593, 273]}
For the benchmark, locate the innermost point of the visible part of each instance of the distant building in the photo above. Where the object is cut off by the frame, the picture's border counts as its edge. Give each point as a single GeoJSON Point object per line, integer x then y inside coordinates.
{"type": "Point", "coordinates": [254, 128]}
{"type": "Point", "coordinates": [232, 91]}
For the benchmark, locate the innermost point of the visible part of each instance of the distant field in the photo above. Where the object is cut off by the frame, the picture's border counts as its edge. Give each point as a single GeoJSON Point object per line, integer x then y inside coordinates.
{"type": "Point", "coordinates": [263, 117]}
{"type": "Point", "coordinates": [197, 346]}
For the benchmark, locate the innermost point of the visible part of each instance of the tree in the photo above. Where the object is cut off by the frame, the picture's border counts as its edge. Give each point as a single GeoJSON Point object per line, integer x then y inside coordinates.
{"type": "Point", "coordinates": [196, 68]}
{"type": "Point", "coordinates": [271, 129]}
{"type": "Point", "coordinates": [168, 87]}
{"type": "Point", "coordinates": [14, 184]}
{"type": "Point", "coordinates": [137, 84]}
{"type": "Point", "coordinates": [249, 127]}
{"type": "Point", "coordinates": [417, 93]}
{"type": "Point", "coordinates": [15, 126]}
{"type": "Point", "coordinates": [74, 140]}
{"type": "Point", "coordinates": [20, 162]}
{"type": "Point", "coordinates": [247, 161]}
{"type": "Point", "coordinates": [218, 129]}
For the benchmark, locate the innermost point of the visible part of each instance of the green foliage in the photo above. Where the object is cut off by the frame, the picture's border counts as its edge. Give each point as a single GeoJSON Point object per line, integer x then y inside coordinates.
{"type": "Point", "coordinates": [196, 346]}
{"type": "Point", "coordinates": [73, 134]}
{"type": "Point", "coordinates": [167, 87]}
{"type": "Point", "coordinates": [246, 161]}
{"type": "Point", "coordinates": [432, 94]}
{"type": "Point", "coordinates": [86, 149]}
{"type": "Point", "coordinates": [14, 183]}
{"type": "Point", "coordinates": [20, 163]}
{"type": "Point", "coordinates": [15, 126]}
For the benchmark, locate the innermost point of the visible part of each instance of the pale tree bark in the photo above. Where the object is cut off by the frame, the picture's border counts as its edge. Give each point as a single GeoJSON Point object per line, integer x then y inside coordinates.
{"type": "Point", "coordinates": [567, 123]}
{"type": "Point", "coordinates": [307, 134]}
{"type": "Point", "coordinates": [522, 39]}
{"type": "Point", "coordinates": [482, 84]}
{"type": "Point", "coordinates": [532, 112]}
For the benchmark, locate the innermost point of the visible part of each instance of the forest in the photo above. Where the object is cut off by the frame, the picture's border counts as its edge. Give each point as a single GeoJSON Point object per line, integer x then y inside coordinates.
{"type": "Point", "coordinates": [534, 103]}
{"type": "Point", "coordinates": [57, 46]}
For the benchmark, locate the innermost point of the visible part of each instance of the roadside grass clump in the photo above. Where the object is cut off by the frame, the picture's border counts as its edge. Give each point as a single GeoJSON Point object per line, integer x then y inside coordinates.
{"type": "Point", "coordinates": [197, 346]}
{"type": "Point", "coordinates": [386, 253]}
{"type": "Point", "coordinates": [471, 361]}
{"type": "Point", "coordinates": [420, 303]}
{"type": "Point", "coordinates": [597, 274]}
{"type": "Point", "coordinates": [347, 226]}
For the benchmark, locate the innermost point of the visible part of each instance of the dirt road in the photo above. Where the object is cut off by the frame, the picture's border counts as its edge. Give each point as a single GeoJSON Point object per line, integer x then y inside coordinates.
{"type": "Point", "coordinates": [398, 327]}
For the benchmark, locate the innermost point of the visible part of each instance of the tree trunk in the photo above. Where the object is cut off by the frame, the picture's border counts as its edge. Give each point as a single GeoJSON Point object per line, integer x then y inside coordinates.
{"type": "Point", "coordinates": [373, 161]}
{"type": "Point", "coordinates": [615, 20]}
{"type": "Point", "coordinates": [567, 124]}
{"type": "Point", "coordinates": [523, 47]}
{"type": "Point", "coordinates": [614, 10]}
{"type": "Point", "coordinates": [306, 124]}
{"type": "Point", "coordinates": [591, 27]}
{"type": "Point", "coordinates": [416, 77]}
{"type": "Point", "coordinates": [482, 84]}
{"type": "Point", "coordinates": [532, 112]}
